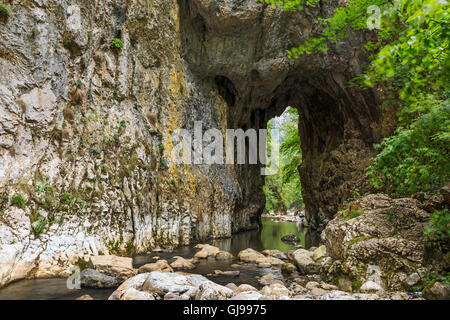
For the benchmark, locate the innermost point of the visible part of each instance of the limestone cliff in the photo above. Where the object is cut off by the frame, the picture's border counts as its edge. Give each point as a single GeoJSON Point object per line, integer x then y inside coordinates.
{"type": "Point", "coordinates": [86, 128]}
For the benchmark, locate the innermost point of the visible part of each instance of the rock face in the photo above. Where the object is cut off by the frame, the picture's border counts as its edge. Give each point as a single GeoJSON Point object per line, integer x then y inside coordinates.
{"type": "Point", "coordinates": [93, 279]}
{"type": "Point", "coordinates": [377, 239]}
{"type": "Point", "coordinates": [86, 129]}
{"type": "Point", "coordinates": [438, 291]}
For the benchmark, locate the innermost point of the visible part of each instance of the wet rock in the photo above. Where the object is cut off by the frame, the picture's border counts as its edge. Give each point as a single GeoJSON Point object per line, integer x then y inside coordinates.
{"type": "Point", "coordinates": [207, 251]}
{"type": "Point", "coordinates": [290, 238]}
{"type": "Point", "coordinates": [160, 265]}
{"type": "Point", "coordinates": [250, 255]}
{"type": "Point", "coordinates": [119, 267]}
{"type": "Point", "coordinates": [438, 291]}
{"type": "Point", "coordinates": [224, 256]}
{"type": "Point", "coordinates": [91, 278]}
{"type": "Point", "coordinates": [264, 265]}
{"type": "Point", "coordinates": [181, 263]}
{"type": "Point", "coordinates": [267, 262]}
{"type": "Point", "coordinates": [276, 254]}
{"type": "Point", "coordinates": [288, 268]}
{"type": "Point", "coordinates": [227, 273]}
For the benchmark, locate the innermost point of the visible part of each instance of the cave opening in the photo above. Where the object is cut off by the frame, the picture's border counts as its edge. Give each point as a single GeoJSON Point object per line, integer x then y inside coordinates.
{"type": "Point", "coordinates": [283, 188]}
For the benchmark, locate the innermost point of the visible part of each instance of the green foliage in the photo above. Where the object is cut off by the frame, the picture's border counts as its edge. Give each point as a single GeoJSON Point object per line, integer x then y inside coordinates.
{"type": "Point", "coordinates": [283, 190]}
{"type": "Point", "coordinates": [416, 158]}
{"type": "Point", "coordinates": [130, 249]}
{"type": "Point", "coordinates": [38, 225]}
{"type": "Point", "coordinates": [290, 5]}
{"type": "Point", "coordinates": [116, 44]}
{"type": "Point", "coordinates": [432, 277]}
{"type": "Point", "coordinates": [5, 10]}
{"type": "Point", "coordinates": [18, 201]}
{"type": "Point", "coordinates": [82, 264]}
{"type": "Point", "coordinates": [438, 229]}
{"type": "Point", "coordinates": [42, 186]}
{"type": "Point", "coordinates": [410, 60]}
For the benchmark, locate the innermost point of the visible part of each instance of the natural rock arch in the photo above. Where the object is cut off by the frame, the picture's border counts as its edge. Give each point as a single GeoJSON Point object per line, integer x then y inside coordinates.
{"type": "Point", "coordinates": [242, 46]}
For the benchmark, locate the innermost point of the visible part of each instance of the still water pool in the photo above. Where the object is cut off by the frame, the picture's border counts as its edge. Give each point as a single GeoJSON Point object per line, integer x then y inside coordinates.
{"type": "Point", "coordinates": [267, 238]}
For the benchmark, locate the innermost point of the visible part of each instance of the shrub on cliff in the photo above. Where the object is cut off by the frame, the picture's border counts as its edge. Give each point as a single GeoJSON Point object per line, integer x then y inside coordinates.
{"type": "Point", "coordinates": [410, 61]}
{"type": "Point", "coordinates": [5, 11]}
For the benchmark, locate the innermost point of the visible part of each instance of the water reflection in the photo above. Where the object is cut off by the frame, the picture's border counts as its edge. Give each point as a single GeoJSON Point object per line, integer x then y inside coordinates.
{"type": "Point", "coordinates": [267, 238]}
{"type": "Point", "coordinates": [48, 289]}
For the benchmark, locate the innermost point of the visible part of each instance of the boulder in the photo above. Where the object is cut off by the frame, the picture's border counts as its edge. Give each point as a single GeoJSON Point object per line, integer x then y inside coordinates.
{"type": "Point", "coordinates": [135, 282]}
{"type": "Point", "coordinates": [181, 263]}
{"type": "Point", "coordinates": [133, 294]}
{"type": "Point", "coordinates": [376, 230]}
{"type": "Point", "coordinates": [371, 287]}
{"type": "Point", "coordinates": [207, 251]}
{"type": "Point", "coordinates": [209, 290]}
{"type": "Point", "coordinates": [269, 279]}
{"type": "Point", "coordinates": [276, 254]}
{"type": "Point", "coordinates": [437, 291]}
{"type": "Point", "coordinates": [244, 288]}
{"type": "Point", "coordinates": [319, 253]}
{"type": "Point", "coordinates": [160, 265]}
{"type": "Point", "coordinates": [91, 278]}
{"type": "Point", "coordinates": [119, 267]}
{"type": "Point", "coordinates": [224, 256]}
{"type": "Point", "coordinates": [288, 268]}
{"type": "Point", "coordinates": [275, 291]}
{"type": "Point", "coordinates": [269, 261]}
{"type": "Point", "coordinates": [311, 285]}
{"type": "Point", "coordinates": [317, 292]}
{"type": "Point", "coordinates": [304, 262]}
{"type": "Point", "coordinates": [290, 238]}
{"type": "Point", "coordinates": [250, 255]}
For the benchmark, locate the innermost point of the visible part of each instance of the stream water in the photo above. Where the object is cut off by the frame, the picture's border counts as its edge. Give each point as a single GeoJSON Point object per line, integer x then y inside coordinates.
{"type": "Point", "coordinates": [267, 238]}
